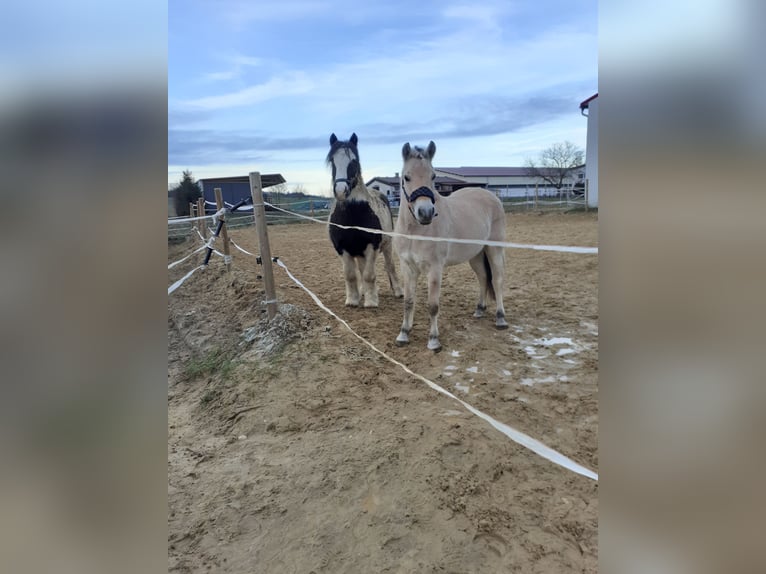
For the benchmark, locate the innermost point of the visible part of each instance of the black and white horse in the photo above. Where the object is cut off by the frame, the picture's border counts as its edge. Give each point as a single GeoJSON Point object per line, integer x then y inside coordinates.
{"type": "Point", "coordinates": [361, 207]}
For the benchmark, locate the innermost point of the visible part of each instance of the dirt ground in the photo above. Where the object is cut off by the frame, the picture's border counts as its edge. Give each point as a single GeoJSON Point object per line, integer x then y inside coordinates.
{"type": "Point", "coordinates": [295, 448]}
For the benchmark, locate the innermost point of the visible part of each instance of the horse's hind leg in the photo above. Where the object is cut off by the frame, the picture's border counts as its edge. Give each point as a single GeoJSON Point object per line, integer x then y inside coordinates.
{"type": "Point", "coordinates": [352, 289]}
{"type": "Point", "coordinates": [388, 263]}
{"type": "Point", "coordinates": [477, 264]}
{"type": "Point", "coordinates": [369, 284]}
{"type": "Point", "coordinates": [496, 257]}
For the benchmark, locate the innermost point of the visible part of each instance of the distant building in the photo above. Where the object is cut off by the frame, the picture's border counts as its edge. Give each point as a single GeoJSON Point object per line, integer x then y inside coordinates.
{"type": "Point", "coordinates": [503, 181]}
{"type": "Point", "coordinates": [391, 186]}
{"type": "Point", "coordinates": [591, 148]}
{"type": "Point", "coordinates": [234, 189]}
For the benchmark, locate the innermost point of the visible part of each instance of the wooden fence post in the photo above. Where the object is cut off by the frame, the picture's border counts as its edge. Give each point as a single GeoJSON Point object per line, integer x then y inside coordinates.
{"type": "Point", "coordinates": [192, 213]}
{"type": "Point", "coordinates": [535, 197]}
{"type": "Point", "coordinates": [259, 213]}
{"type": "Point", "coordinates": [201, 211]}
{"type": "Point", "coordinates": [224, 232]}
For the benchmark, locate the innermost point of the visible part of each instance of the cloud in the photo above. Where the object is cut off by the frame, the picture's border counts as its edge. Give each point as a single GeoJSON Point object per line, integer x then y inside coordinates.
{"type": "Point", "coordinates": [479, 116]}
{"type": "Point", "coordinates": [292, 83]}
{"type": "Point", "coordinates": [488, 16]}
{"type": "Point", "coordinates": [208, 147]}
{"type": "Point", "coordinates": [236, 66]}
{"type": "Point", "coordinates": [238, 14]}
{"type": "Point", "coordinates": [470, 118]}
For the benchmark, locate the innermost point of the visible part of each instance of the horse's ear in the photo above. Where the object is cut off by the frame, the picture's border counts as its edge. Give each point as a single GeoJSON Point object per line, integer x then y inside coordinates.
{"type": "Point", "coordinates": [354, 139]}
{"type": "Point", "coordinates": [406, 150]}
{"type": "Point", "coordinates": [431, 150]}
{"type": "Point", "coordinates": [333, 139]}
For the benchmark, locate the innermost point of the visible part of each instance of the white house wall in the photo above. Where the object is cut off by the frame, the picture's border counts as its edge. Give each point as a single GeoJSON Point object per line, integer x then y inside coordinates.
{"type": "Point", "coordinates": [591, 153]}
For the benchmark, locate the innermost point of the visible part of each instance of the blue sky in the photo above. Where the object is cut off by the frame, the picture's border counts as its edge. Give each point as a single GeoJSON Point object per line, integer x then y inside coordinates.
{"type": "Point", "coordinates": [260, 86]}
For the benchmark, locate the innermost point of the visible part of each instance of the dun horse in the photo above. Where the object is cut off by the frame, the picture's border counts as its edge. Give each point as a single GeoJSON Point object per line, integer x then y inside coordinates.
{"type": "Point", "coordinates": [355, 205]}
{"type": "Point", "coordinates": [469, 213]}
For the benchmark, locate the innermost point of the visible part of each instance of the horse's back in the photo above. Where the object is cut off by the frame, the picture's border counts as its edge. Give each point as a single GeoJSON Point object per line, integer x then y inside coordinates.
{"type": "Point", "coordinates": [477, 212]}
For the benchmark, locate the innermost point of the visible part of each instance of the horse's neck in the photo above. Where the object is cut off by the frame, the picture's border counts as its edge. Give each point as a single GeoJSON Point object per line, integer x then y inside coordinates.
{"type": "Point", "coordinates": [360, 191]}
{"type": "Point", "coordinates": [406, 222]}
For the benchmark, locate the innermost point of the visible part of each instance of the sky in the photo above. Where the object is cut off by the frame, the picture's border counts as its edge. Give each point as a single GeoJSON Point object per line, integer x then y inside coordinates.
{"type": "Point", "coordinates": [260, 86]}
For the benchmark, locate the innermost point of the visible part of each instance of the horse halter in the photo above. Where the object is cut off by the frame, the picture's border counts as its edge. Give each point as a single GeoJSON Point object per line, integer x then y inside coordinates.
{"type": "Point", "coordinates": [350, 182]}
{"type": "Point", "coordinates": [419, 192]}
{"type": "Point", "coordinates": [422, 191]}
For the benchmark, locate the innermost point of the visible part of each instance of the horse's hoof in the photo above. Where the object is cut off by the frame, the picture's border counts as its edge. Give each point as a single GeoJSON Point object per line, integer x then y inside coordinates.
{"type": "Point", "coordinates": [402, 343]}
{"type": "Point", "coordinates": [478, 314]}
{"type": "Point", "coordinates": [370, 305]}
{"type": "Point", "coordinates": [501, 326]}
{"type": "Point", "coordinates": [434, 345]}
{"type": "Point", "coordinates": [352, 303]}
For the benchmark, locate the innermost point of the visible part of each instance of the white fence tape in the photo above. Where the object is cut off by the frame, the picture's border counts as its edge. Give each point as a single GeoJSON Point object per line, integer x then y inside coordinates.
{"type": "Point", "coordinates": [185, 219]}
{"type": "Point", "coordinates": [178, 283]}
{"type": "Point", "coordinates": [185, 258]}
{"type": "Point", "coordinates": [517, 436]}
{"type": "Point", "coordinates": [559, 248]}
{"type": "Point", "coordinates": [238, 247]}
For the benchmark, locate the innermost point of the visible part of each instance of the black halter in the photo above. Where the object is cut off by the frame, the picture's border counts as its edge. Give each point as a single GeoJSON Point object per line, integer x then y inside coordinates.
{"type": "Point", "coordinates": [351, 182]}
{"type": "Point", "coordinates": [419, 192]}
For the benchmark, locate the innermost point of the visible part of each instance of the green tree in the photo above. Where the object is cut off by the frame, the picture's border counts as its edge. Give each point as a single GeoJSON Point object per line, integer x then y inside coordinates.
{"type": "Point", "coordinates": [187, 191]}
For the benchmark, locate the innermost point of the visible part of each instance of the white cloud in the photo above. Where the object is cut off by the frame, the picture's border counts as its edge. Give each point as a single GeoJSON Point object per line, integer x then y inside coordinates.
{"type": "Point", "coordinates": [236, 66]}
{"type": "Point", "coordinates": [240, 13]}
{"type": "Point", "coordinates": [292, 83]}
{"type": "Point", "coordinates": [486, 15]}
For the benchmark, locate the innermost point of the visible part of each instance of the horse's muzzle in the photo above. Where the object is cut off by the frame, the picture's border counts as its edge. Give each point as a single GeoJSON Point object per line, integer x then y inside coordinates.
{"type": "Point", "coordinates": [424, 213]}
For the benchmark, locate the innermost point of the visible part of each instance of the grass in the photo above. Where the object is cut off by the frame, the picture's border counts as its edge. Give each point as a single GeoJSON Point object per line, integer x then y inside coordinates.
{"type": "Point", "coordinates": [214, 361]}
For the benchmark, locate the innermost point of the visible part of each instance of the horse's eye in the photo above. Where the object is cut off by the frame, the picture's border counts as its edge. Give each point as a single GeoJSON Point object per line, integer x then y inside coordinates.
{"type": "Point", "coordinates": [433, 176]}
{"type": "Point", "coordinates": [406, 178]}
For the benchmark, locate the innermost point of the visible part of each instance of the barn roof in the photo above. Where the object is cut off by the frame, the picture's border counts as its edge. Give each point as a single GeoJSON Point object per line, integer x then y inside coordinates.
{"type": "Point", "coordinates": [440, 180]}
{"type": "Point", "coordinates": [470, 171]}
{"type": "Point", "coordinates": [267, 179]}
{"type": "Point", "coordinates": [473, 171]}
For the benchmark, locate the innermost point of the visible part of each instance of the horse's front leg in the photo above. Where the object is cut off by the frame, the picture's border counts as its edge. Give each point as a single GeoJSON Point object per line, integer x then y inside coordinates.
{"type": "Point", "coordinates": [369, 285]}
{"type": "Point", "coordinates": [434, 289]}
{"type": "Point", "coordinates": [352, 289]}
{"type": "Point", "coordinates": [410, 277]}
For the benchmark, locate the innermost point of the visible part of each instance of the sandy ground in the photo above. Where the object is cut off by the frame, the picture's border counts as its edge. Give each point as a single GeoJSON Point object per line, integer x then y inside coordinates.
{"type": "Point", "coordinates": [293, 447]}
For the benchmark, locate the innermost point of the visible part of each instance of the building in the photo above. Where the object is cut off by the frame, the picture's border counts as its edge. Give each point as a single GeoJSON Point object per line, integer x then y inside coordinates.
{"type": "Point", "coordinates": [391, 186]}
{"type": "Point", "coordinates": [505, 182]}
{"type": "Point", "coordinates": [234, 189]}
{"type": "Point", "coordinates": [591, 148]}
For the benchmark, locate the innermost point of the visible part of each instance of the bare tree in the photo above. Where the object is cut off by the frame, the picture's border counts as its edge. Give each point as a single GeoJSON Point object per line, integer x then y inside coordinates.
{"type": "Point", "coordinates": [277, 193]}
{"type": "Point", "coordinates": [299, 189]}
{"type": "Point", "coordinates": [556, 164]}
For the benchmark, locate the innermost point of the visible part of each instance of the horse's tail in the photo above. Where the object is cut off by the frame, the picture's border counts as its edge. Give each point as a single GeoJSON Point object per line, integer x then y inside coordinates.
{"type": "Point", "coordinates": [488, 269]}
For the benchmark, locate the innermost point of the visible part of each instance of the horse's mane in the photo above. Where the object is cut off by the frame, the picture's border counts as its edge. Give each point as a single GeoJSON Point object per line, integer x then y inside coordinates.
{"type": "Point", "coordinates": [418, 152]}
{"type": "Point", "coordinates": [338, 145]}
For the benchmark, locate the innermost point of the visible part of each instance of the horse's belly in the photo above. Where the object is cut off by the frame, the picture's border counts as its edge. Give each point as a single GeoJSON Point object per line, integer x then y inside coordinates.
{"type": "Point", "coordinates": [462, 252]}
